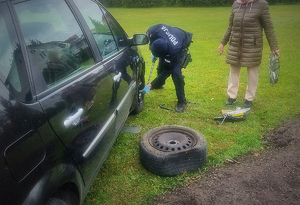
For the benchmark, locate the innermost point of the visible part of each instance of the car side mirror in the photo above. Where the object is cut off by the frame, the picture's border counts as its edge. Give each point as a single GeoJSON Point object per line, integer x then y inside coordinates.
{"type": "Point", "coordinates": [140, 39]}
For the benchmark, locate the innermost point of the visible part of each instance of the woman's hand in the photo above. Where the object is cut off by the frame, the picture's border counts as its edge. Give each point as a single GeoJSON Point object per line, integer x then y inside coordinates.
{"type": "Point", "coordinates": [276, 52]}
{"type": "Point", "coordinates": [221, 47]}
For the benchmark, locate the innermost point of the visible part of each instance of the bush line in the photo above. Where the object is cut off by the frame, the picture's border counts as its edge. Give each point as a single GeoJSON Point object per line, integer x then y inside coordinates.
{"type": "Point", "coordinates": [161, 3]}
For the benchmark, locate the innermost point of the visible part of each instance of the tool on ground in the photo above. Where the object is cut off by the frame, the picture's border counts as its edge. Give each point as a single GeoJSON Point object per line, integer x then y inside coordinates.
{"type": "Point", "coordinates": [163, 106]}
{"type": "Point", "coordinates": [233, 115]}
{"type": "Point", "coordinates": [274, 66]}
{"type": "Point", "coordinates": [146, 89]}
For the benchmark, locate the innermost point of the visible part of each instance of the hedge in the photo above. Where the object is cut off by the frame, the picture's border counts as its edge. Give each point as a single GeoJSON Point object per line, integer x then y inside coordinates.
{"type": "Point", "coordinates": [160, 3]}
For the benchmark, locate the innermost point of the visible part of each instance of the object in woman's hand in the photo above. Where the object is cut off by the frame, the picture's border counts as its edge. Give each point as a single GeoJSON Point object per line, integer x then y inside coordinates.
{"type": "Point", "coordinates": [273, 68]}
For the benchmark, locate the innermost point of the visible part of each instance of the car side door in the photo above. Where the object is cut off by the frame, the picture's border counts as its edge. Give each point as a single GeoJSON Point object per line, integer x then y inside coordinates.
{"type": "Point", "coordinates": [117, 58]}
{"type": "Point", "coordinates": [71, 84]}
{"type": "Point", "coordinates": [123, 64]}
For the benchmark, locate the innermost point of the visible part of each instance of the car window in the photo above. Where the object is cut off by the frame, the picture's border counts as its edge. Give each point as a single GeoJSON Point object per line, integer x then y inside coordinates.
{"type": "Point", "coordinates": [117, 31]}
{"type": "Point", "coordinates": [12, 68]}
{"type": "Point", "coordinates": [54, 39]}
{"type": "Point", "coordinates": [98, 26]}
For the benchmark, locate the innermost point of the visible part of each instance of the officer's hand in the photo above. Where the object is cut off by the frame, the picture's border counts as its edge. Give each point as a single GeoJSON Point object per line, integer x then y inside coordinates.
{"type": "Point", "coordinates": [153, 58]}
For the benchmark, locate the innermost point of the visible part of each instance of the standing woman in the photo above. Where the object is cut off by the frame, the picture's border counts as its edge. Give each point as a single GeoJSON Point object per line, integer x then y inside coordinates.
{"type": "Point", "coordinates": [244, 33]}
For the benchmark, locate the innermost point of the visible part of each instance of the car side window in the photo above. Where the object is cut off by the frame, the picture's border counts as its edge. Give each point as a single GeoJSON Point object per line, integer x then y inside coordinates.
{"type": "Point", "coordinates": [12, 68]}
{"type": "Point", "coordinates": [117, 31]}
{"type": "Point", "coordinates": [57, 45]}
{"type": "Point", "coordinates": [98, 25]}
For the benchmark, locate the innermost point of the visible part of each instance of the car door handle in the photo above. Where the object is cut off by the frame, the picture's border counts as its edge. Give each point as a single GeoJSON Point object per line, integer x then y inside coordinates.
{"type": "Point", "coordinates": [73, 119]}
{"type": "Point", "coordinates": [117, 77]}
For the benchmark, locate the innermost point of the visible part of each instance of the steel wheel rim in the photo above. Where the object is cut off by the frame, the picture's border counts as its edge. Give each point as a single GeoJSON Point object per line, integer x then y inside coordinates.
{"type": "Point", "coordinates": [172, 141]}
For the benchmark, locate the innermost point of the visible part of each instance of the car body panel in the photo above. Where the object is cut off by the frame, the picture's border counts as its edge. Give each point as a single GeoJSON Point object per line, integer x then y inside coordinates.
{"type": "Point", "coordinates": [121, 66]}
{"type": "Point", "coordinates": [92, 94]}
{"type": "Point", "coordinates": [55, 136]}
{"type": "Point", "coordinates": [16, 120]}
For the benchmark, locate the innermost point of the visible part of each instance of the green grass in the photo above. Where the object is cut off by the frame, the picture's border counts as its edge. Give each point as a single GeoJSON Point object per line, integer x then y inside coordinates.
{"type": "Point", "coordinates": [122, 179]}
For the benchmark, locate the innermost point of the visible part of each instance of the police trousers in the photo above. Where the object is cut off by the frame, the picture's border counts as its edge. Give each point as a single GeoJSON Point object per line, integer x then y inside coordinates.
{"type": "Point", "coordinates": [163, 72]}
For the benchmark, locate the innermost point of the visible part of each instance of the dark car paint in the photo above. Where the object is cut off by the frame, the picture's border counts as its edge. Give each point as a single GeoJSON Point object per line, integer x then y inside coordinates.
{"type": "Point", "coordinates": [29, 179]}
{"type": "Point", "coordinates": [34, 174]}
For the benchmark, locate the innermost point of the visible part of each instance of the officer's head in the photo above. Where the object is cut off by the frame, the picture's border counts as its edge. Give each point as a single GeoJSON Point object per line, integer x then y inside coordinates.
{"type": "Point", "coordinates": [159, 47]}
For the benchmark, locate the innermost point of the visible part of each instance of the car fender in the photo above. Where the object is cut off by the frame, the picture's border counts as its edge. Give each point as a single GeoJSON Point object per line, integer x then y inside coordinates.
{"type": "Point", "coordinates": [52, 180]}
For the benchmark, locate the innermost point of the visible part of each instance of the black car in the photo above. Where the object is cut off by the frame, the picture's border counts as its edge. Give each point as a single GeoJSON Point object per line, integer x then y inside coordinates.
{"type": "Point", "coordinates": [69, 78]}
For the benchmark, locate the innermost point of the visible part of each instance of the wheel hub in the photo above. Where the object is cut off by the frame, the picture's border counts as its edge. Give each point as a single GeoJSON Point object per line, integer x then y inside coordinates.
{"type": "Point", "coordinates": [172, 141]}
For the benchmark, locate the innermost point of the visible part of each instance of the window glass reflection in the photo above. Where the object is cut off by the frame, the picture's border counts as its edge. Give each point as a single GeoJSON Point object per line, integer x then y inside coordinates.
{"type": "Point", "coordinates": [12, 68]}
{"type": "Point", "coordinates": [54, 39]}
{"type": "Point", "coordinates": [117, 31]}
{"type": "Point", "coordinates": [98, 26]}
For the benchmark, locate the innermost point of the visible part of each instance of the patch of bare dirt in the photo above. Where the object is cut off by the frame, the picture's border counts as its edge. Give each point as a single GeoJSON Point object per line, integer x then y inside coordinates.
{"type": "Point", "coordinates": [270, 178]}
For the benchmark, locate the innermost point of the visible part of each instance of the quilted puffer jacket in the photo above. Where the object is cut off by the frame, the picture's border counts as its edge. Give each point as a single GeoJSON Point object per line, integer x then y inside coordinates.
{"type": "Point", "coordinates": [244, 33]}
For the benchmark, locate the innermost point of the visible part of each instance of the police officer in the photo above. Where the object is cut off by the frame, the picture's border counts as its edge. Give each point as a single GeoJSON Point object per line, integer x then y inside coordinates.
{"type": "Point", "coordinates": [168, 44]}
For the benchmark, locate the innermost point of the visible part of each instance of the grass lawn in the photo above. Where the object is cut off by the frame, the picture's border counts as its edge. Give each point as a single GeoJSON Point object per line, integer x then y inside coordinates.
{"type": "Point", "coordinates": [122, 179]}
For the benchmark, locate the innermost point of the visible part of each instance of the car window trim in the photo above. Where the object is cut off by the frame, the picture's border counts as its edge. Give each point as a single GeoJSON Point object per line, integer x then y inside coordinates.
{"type": "Point", "coordinates": [113, 56]}
{"type": "Point", "coordinates": [20, 38]}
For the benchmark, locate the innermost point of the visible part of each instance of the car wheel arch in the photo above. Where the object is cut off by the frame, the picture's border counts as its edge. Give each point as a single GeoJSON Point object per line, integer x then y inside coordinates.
{"type": "Point", "coordinates": [137, 106]}
{"type": "Point", "coordinates": [52, 183]}
{"type": "Point", "coordinates": [68, 193]}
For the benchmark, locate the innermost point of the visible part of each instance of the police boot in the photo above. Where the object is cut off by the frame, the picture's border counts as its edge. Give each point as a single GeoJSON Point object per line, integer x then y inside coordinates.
{"type": "Point", "coordinates": [181, 106]}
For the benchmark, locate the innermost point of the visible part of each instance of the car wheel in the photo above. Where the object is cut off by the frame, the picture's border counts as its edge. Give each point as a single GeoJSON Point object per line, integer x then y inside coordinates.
{"type": "Point", "coordinates": [171, 150]}
{"type": "Point", "coordinates": [139, 99]}
{"type": "Point", "coordinates": [66, 196]}
{"type": "Point", "coordinates": [55, 201]}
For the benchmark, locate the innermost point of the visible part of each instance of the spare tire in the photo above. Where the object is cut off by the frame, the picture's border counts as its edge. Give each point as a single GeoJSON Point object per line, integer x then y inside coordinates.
{"type": "Point", "coordinates": [171, 150]}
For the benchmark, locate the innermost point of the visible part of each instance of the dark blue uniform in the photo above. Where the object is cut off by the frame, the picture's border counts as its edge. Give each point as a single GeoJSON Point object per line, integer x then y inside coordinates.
{"type": "Point", "coordinates": [169, 63]}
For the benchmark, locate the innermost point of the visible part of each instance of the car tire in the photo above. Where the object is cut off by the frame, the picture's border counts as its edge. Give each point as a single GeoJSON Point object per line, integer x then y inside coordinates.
{"type": "Point", "coordinates": [171, 150]}
{"type": "Point", "coordinates": [56, 201]}
{"type": "Point", "coordinates": [138, 103]}
{"type": "Point", "coordinates": [67, 196]}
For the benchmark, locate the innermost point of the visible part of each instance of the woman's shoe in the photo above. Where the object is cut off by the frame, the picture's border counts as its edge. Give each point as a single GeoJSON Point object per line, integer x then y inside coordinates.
{"type": "Point", "coordinates": [247, 104]}
{"type": "Point", "coordinates": [230, 101]}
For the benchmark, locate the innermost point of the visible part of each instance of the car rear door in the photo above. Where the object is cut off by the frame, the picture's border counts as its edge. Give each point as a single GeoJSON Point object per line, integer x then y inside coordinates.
{"type": "Point", "coordinates": [117, 56]}
{"type": "Point", "coordinates": [72, 85]}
